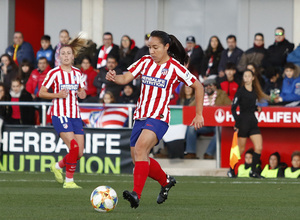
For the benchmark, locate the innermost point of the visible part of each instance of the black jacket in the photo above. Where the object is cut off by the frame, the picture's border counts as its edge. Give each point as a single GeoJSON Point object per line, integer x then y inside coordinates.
{"type": "Point", "coordinates": [195, 61]}
{"type": "Point", "coordinates": [277, 53]}
{"type": "Point", "coordinates": [109, 85]}
{"type": "Point", "coordinates": [214, 68]}
{"type": "Point", "coordinates": [234, 58]}
{"type": "Point", "coordinates": [141, 52]}
{"type": "Point", "coordinates": [126, 61]}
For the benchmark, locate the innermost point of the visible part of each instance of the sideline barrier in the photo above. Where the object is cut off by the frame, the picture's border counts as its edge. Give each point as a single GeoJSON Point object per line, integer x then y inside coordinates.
{"type": "Point", "coordinates": [44, 106]}
{"type": "Point", "coordinates": [34, 149]}
{"type": "Point", "coordinates": [279, 127]}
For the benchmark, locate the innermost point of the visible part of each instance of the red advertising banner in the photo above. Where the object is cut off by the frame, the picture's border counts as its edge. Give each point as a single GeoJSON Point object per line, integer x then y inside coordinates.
{"type": "Point", "coordinates": [283, 117]}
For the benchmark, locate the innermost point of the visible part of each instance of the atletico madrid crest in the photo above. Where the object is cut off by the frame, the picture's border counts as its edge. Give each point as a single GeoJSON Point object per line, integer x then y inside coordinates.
{"type": "Point", "coordinates": [65, 126]}
{"type": "Point", "coordinates": [164, 71]}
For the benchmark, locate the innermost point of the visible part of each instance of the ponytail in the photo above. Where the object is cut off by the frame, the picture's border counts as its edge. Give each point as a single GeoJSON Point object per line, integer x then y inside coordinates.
{"type": "Point", "coordinates": [176, 50]}
{"type": "Point", "coordinates": [76, 44]}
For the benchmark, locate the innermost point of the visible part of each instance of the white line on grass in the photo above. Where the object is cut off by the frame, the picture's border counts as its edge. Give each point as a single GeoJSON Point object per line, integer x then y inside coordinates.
{"type": "Point", "coordinates": [128, 181]}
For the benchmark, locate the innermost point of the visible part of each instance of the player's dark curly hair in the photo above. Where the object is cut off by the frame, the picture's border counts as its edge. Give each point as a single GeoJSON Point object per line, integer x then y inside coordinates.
{"type": "Point", "coordinates": [176, 50]}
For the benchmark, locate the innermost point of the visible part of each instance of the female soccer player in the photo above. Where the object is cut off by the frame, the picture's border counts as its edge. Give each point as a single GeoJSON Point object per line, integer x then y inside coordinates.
{"type": "Point", "coordinates": [246, 122]}
{"type": "Point", "coordinates": [160, 73]}
{"type": "Point", "coordinates": [67, 84]}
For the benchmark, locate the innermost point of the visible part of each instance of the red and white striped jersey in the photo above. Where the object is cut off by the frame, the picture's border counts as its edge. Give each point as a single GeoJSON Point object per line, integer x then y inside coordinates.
{"type": "Point", "coordinates": [58, 79]}
{"type": "Point", "coordinates": [158, 84]}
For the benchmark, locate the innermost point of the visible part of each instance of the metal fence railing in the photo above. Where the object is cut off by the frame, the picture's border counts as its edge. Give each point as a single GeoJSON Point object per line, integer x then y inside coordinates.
{"type": "Point", "coordinates": [130, 107]}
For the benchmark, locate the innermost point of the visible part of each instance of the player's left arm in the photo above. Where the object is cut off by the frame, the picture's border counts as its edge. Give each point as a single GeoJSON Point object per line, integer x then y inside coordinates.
{"type": "Point", "coordinates": [82, 86]}
{"type": "Point", "coordinates": [81, 93]}
{"type": "Point", "coordinates": [198, 121]}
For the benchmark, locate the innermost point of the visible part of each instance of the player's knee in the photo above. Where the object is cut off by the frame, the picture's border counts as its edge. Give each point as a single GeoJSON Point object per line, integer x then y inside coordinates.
{"type": "Point", "coordinates": [139, 151]}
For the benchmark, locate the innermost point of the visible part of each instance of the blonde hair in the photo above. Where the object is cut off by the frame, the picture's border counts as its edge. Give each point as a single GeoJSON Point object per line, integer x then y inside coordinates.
{"type": "Point", "coordinates": [76, 44]}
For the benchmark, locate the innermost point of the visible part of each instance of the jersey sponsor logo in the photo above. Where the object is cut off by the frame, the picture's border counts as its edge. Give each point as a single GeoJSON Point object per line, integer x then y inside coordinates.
{"type": "Point", "coordinates": [69, 86]}
{"type": "Point", "coordinates": [152, 81]}
{"type": "Point", "coordinates": [164, 71]}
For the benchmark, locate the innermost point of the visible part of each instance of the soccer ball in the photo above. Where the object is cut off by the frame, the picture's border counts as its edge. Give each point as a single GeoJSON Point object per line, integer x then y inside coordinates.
{"type": "Point", "coordinates": [104, 199]}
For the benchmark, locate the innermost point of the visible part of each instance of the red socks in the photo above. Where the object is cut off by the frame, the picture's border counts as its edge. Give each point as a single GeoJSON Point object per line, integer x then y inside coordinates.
{"type": "Point", "coordinates": [71, 159]}
{"type": "Point", "coordinates": [156, 173]}
{"type": "Point", "coordinates": [63, 162]}
{"type": "Point", "coordinates": [140, 175]}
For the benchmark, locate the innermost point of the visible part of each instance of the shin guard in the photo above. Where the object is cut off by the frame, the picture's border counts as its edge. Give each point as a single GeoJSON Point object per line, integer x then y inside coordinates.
{"type": "Point", "coordinates": [71, 159]}
{"type": "Point", "coordinates": [156, 173]}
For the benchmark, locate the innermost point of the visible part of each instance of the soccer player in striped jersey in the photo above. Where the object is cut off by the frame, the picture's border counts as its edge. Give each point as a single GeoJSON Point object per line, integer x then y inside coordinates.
{"type": "Point", "coordinates": [160, 72]}
{"type": "Point", "coordinates": [67, 84]}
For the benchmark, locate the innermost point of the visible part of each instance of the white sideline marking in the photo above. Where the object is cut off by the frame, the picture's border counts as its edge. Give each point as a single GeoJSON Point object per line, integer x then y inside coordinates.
{"type": "Point", "coordinates": [128, 181]}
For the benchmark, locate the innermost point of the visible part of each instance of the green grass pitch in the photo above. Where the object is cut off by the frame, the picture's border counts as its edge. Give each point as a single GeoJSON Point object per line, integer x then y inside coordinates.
{"type": "Point", "coordinates": [38, 196]}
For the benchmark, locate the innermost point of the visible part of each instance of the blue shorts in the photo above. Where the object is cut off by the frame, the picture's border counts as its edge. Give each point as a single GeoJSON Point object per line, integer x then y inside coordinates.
{"type": "Point", "coordinates": [157, 126]}
{"type": "Point", "coordinates": [65, 124]}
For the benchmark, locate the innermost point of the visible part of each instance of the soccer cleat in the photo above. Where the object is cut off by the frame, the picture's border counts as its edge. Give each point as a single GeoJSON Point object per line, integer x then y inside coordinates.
{"type": "Point", "coordinates": [57, 173]}
{"type": "Point", "coordinates": [231, 174]}
{"type": "Point", "coordinates": [163, 195]}
{"type": "Point", "coordinates": [132, 197]}
{"type": "Point", "coordinates": [71, 185]}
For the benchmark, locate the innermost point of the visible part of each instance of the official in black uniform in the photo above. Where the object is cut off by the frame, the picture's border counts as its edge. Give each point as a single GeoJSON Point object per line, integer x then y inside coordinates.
{"type": "Point", "coordinates": [246, 122]}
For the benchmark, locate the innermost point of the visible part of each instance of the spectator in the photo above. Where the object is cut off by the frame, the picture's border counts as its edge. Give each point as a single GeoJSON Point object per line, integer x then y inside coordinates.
{"type": "Point", "coordinates": [254, 55]}
{"type": "Point", "coordinates": [64, 38]}
{"type": "Point", "coordinates": [127, 52]}
{"type": "Point", "coordinates": [212, 97]}
{"type": "Point", "coordinates": [231, 81]}
{"type": "Point", "coordinates": [273, 81]}
{"type": "Point", "coordinates": [46, 50]}
{"type": "Point", "coordinates": [294, 56]}
{"type": "Point", "coordinates": [211, 60]}
{"type": "Point", "coordinates": [108, 48]}
{"type": "Point", "coordinates": [130, 94]}
{"type": "Point", "coordinates": [232, 54]}
{"type": "Point", "coordinates": [89, 74]}
{"type": "Point", "coordinates": [20, 114]}
{"type": "Point", "coordinates": [186, 96]}
{"type": "Point", "coordinates": [20, 49]}
{"type": "Point", "coordinates": [5, 110]}
{"type": "Point", "coordinates": [277, 52]}
{"type": "Point", "coordinates": [196, 54]}
{"type": "Point", "coordinates": [294, 171]}
{"type": "Point", "coordinates": [144, 50]}
{"type": "Point", "coordinates": [274, 169]}
{"type": "Point", "coordinates": [104, 85]}
{"type": "Point", "coordinates": [9, 70]}
{"type": "Point", "coordinates": [37, 77]}
{"type": "Point", "coordinates": [24, 71]}
{"type": "Point", "coordinates": [290, 91]}
{"type": "Point", "coordinates": [108, 98]}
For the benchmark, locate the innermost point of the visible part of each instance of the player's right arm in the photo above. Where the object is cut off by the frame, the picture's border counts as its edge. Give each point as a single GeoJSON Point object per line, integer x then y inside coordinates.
{"type": "Point", "coordinates": [119, 79]}
{"type": "Point", "coordinates": [48, 95]}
